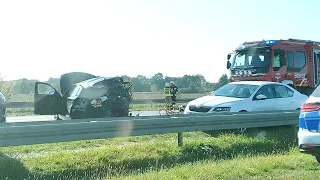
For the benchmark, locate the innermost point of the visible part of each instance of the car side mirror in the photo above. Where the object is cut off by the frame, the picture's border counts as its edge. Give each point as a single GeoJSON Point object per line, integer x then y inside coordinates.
{"type": "Point", "coordinates": [51, 92]}
{"type": "Point", "coordinates": [261, 97]}
{"type": "Point", "coordinates": [228, 64]}
{"type": "Point", "coordinates": [229, 56]}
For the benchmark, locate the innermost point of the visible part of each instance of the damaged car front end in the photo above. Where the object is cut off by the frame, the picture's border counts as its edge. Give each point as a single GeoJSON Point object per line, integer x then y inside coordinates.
{"type": "Point", "coordinates": [99, 97]}
{"type": "Point", "coordinates": [95, 97]}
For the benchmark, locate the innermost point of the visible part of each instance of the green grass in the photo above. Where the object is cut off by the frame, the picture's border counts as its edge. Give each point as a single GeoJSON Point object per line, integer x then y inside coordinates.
{"type": "Point", "coordinates": [21, 98]}
{"type": "Point", "coordinates": [19, 112]}
{"type": "Point", "coordinates": [134, 155]}
{"type": "Point", "coordinates": [292, 165]}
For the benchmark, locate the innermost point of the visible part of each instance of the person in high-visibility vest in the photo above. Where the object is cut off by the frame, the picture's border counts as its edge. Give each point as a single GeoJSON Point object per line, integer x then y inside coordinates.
{"type": "Point", "coordinates": [173, 91]}
{"type": "Point", "coordinates": [168, 96]}
{"type": "Point", "coordinates": [167, 89]}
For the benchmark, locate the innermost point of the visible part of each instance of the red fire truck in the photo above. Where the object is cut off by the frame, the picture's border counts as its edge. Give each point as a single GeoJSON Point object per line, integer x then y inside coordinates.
{"type": "Point", "coordinates": [292, 61]}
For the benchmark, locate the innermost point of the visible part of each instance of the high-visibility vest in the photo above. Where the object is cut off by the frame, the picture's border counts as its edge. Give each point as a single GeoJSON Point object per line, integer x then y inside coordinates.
{"type": "Point", "coordinates": [167, 91]}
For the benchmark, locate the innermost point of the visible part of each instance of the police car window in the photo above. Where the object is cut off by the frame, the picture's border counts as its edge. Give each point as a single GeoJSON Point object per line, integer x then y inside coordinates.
{"type": "Point", "coordinates": [316, 92]}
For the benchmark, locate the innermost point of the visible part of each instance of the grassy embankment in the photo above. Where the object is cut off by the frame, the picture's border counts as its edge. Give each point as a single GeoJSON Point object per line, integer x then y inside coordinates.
{"type": "Point", "coordinates": [158, 156]}
{"type": "Point", "coordinates": [134, 107]}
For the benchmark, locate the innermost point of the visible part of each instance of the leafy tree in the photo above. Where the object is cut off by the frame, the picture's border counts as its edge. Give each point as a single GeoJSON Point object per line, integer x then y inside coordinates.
{"type": "Point", "coordinates": [158, 80]}
{"type": "Point", "coordinates": [140, 84]}
{"type": "Point", "coordinates": [223, 80]}
{"type": "Point", "coordinates": [187, 84]}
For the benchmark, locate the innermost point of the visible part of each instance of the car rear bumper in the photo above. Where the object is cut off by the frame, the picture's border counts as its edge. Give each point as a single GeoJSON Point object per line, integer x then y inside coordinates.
{"type": "Point", "coordinates": [309, 142]}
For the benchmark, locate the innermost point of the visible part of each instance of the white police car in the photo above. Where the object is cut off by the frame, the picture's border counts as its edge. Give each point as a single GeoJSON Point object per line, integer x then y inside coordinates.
{"type": "Point", "coordinates": [309, 125]}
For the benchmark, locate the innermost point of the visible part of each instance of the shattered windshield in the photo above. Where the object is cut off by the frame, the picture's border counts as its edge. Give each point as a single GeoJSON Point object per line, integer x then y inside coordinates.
{"type": "Point", "coordinates": [250, 59]}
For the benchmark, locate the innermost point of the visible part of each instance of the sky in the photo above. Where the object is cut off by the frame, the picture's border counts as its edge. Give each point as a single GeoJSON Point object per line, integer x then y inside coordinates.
{"type": "Point", "coordinates": [42, 39]}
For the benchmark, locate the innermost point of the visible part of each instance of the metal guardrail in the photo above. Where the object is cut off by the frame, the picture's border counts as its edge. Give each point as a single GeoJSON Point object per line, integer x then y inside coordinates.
{"type": "Point", "coordinates": [26, 133]}
{"type": "Point", "coordinates": [134, 101]}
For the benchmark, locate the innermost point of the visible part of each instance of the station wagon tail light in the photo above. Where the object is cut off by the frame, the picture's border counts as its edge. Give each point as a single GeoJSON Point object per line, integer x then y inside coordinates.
{"type": "Point", "coordinates": [309, 107]}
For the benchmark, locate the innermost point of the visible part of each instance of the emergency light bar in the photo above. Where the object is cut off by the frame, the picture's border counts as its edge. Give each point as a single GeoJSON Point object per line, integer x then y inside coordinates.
{"type": "Point", "coordinates": [270, 42]}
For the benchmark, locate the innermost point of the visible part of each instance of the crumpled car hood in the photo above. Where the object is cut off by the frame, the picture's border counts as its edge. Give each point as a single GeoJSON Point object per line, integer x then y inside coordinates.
{"type": "Point", "coordinates": [68, 79]}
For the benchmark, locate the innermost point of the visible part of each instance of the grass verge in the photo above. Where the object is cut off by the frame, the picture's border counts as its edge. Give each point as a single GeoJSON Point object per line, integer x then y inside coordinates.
{"type": "Point", "coordinates": [123, 156]}
{"type": "Point", "coordinates": [19, 112]}
{"type": "Point", "coordinates": [292, 165]}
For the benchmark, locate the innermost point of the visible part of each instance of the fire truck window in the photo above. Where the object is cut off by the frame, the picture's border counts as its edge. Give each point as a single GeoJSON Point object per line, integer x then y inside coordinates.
{"type": "Point", "coordinates": [278, 59]}
{"type": "Point", "coordinates": [290, 59]}
{"type": "Point", "coordinates": [256, 60]}
{"type": "Point", "coordinates": [300, 60]}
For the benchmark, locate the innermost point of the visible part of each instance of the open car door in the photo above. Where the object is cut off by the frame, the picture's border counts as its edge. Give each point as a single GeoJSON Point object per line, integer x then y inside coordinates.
{"type": "Point", "coordinates": [48, 101]}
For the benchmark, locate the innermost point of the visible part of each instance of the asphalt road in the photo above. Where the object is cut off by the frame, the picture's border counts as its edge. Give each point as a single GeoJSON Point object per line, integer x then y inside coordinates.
{"type": "Point", "coordinates": [51, 118]}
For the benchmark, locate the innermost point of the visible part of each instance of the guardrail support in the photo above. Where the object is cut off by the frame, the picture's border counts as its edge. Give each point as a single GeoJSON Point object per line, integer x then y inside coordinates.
{"type": "Point", "coordinates": [180, 139]}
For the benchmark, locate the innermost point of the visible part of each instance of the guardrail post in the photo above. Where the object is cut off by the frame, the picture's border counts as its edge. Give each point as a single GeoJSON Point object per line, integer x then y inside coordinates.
{"type": "Point", "coordinates": [180, 139]}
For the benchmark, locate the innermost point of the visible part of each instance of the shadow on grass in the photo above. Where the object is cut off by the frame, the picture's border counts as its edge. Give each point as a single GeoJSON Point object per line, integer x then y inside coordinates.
{"type": "Point", "coordinates": [281, 134]}
{"type": "Point", "coordinates": [277, 140]}
{"type": "Point", "coordinates": [11, 168]}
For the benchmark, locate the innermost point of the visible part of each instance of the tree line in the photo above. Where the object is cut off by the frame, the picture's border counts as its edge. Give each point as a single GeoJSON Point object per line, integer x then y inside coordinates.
{"type": "Point", "coordinates": [186, 84]}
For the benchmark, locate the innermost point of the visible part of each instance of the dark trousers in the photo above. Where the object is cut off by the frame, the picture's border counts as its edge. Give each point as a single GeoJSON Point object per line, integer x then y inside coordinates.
{"type": "Point", "coordinates": [173, 99]}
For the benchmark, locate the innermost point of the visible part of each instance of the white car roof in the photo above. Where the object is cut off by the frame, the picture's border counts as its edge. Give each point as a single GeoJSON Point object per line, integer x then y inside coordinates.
{"type": "Point", "coordinates": [259, 83]}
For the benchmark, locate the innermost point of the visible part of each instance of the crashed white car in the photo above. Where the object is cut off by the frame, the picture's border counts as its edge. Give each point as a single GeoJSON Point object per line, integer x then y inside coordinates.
{"type": "Point", "coordinates": [248, 96]}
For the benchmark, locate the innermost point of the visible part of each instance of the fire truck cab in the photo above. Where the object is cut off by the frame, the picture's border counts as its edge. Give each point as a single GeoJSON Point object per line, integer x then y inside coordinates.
{"type": "Point", "coordinates": [293, 61]}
